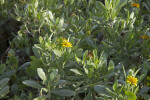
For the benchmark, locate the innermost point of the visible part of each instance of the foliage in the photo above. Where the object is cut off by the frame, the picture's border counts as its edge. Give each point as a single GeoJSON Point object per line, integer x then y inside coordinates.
{"type": "Point", "coordinates": [75, 50]}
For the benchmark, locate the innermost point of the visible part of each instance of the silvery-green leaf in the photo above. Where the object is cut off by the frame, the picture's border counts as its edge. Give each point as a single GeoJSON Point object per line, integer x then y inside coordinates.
{"type": "Point", "coordinates": [7, 74]}
{"type": "Point", "coordinates": [53, 74]}
{"type": "Point", "coordinates": [2, 68]}
{"type": "Point", "coordinates": [61, 22]}
{"type": "Point", "coordinates": [64, 92]}
{"type": "Point", "coordinates": [111, 66]}
{"type": "Point", "coordinates": [76, 71]}
{"type": "Point", "coordinates": [3, 82]}
{"type": "Point", "coordinates": [41, 73]}
{"type": "Point", "coordinates": [32, 84]}
{"type": "Point", "coordinates": [57, 52]}
{"type": "Point", "coordinates": [101, 89]}
{"type": "Point", "coordinates": [4, 91]}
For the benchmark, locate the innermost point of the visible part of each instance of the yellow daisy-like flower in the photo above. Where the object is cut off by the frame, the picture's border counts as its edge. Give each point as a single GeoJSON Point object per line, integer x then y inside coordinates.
{"type": "Point", "coordinates": [135, 5]}
{"type": "Point", "coordinates": [65, 43]}
{"type": "Point", "coordinates": [132, 80]}
{"type": "Point", "coordinates": [145, 37]}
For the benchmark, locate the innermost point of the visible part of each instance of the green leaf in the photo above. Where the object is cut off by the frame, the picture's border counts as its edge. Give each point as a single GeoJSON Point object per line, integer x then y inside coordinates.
{"type": "Point", "coordinates": [50, 15]}
{"type": "Point", "coordinates": [111, 92]}
{"type": "Point", "coordinates": [44, 89]}
{"type": "Point", "coordinates": [3, 82]}
{"type": "Point", "coordinates": [144, 90]}
{"type": "Point", "coordinates": [116, 2]}
{"type": "Point", "coordinates": [121, 4]}
{"type": "Point", "coordinates": [24, 65]}
{"type": "Point", "coordinates": [131, 15]}
{"type": "Point", "coordinates": [57, 52]}
{"type": "Point", "coordinates": [103, 58]}
{"type": "Point", "coordinates": [41, 39]}
{"type": "Point", "coordinates": [130, 95]}
{"type": "Point", "coordinates": [32, 84]}
{"type": "Point", "coordinates": [65, 1]}
{"type": "Point", "coordinates": [100, 6]}
{"type": "Point", "coordinates": [144, 72]}
{"type": "Point", "coordinates": [7, 74]}
{"type": "Point", "coordinates": [61, 22]}
{"type": "Point", "coordinates": [2, 68]}
{"type": "Point", "coordinates": [71, 2]}
{"type": "Point", "coordinates": [36, 4]}
{"type": "Point", "coordinates": [146, 96]}
{"type": "Point", "coordinates": [89, 96]}
{"type": "Point", "coordinates": [136, 90]}
{"type": "Point", "coordinates": [76, 71]}
{"type": "Point", "coordinates": [53, 74]}
{"type": "Point", "coordinates": [35, 63]}
{"type": "Point", "coordinates": [73, 78]}
{"type": "Point", "coordinates": [14, 88]}
{"type": "Point", "coordinates": [136, 72]}
{"type": "Point", "coordinates": [115, 86]}
{"type": "Point", "coordinates": [64, 92]}
{"type": "Point", "coordinates": [31, 71]}
{"type": "Point", "coordinates": [4, 91]}
{"type": "Point", "coordinates": [13, 61]}
{"type": "Point", "coordinates": [40, 98]}
{"type": "Point", "coordinates": [90, 42]}
{"type": "Point", "coordinates": [41, 74]}
{"type": "Point", "coordinates": [77, 59]}
{"type": "Point", "coordinates": [110, 66]}
{"type": "Point", "coordinates": [101, 89]}
{"type": "Point", "coordinates": [2, 2]}
{"type": "Point", "coordinates": [135, 54]}
{"type": "Point", "coordinates": [100, 98]}
{"type": "Point", "coordinates": [36, 51]}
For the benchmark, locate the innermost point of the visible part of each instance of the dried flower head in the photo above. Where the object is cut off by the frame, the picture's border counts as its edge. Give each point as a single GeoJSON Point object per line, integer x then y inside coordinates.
{"type": "Point", "coordinates": [135, 5]}
{"type": "Point", "coordinates": [90, 54]}
{"type": "Point", "coordinates": [145, 37]}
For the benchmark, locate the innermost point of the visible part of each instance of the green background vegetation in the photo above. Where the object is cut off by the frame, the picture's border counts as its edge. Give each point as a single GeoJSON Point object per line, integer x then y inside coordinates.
{"type": "Point", "coordinates": [107, 48]}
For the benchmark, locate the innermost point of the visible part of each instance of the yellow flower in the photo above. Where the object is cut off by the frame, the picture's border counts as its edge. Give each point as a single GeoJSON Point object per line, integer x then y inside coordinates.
{"type": "Point", "coordinates": [145, 37]}
{"type": "Point", "coordinates": [135, 5]}
{"type": "Point", "coordinates": [62, 39]}
{"type": "Point", "coordinates": [9, 54]}
{"type": "Point", "coordinates": [132, 80]}
{"type": "Point", "coordinates": [65, 43]}
{"type": "Point", "coordinates": [88, 32]}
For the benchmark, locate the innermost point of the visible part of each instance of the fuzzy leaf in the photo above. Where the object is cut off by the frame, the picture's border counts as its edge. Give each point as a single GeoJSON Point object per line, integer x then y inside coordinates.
{"type": "Point", "coordinates": [7, 74]}
{"type": "Point", "coordinates": [64, 93]}
{"type": "Point", "coordinates": [32, 84]}
{"type": "Point", "coordinates": [111, 66]}
{"type": "Point", "coordinates": [2, 68]}
{"type": "Point", "coordinates": [53, 74]}
{"type": "Point", "coordinates": [3, 82]}
{"type": "Point", "coordinates": [4, 91]}
{"type": "Point", "coordinates": [101, 89]}
{"type": "Point", "coordinates": [76, 71]}
{"type": "Point", "coordinates": [61, 22]}
{"type": "Point", "coordinates": [41, 74]}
